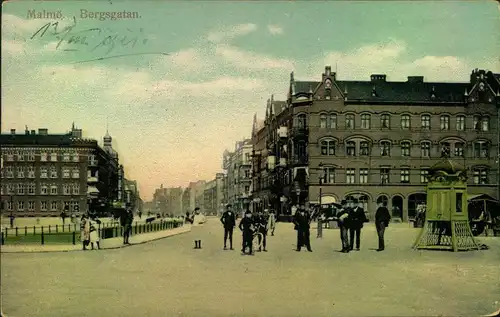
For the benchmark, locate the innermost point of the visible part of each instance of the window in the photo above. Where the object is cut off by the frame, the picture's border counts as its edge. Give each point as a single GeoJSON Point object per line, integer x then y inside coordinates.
{"type": "Point", "coordinates": [405, 175]}
{"type": "Point", "coordinates": [31, 205]}
{"type": "Point", "coordinates": [425, 149]}
{"type": "Point", "coordinates": [31, 189]}
{"type": "Point", "coordinates": [66, 189]}
{"type": "Point", "coordinates": [76, 157]}
{"type": "Point", "coordinates": [43, 205]}
{"type": "Point", "coordinates": [385, 121]}
{"type": "Point", "coordinates": [485, 126]}
{"type": "Point", "coordinates": [20, 189]}
{"type": "Point", "coordinates": [20, 157]}
{"type": "Point", "coordinates": [363, 175]}
{"type": "Point", "coordinates": [9, 171]}
{"type": "Point", "coordinates": [481, 123]}
{"type": "Point", "coordinates": [43, 172]}
{"type": "Point", "coordinates": [331, 122]}
{"type": "Point", "coordinates": [74, 206]}
{"type": "Point", "coordinates": [351, 176]}
{"type": "Point", "coordinates": [405, 122]}
{"type": "Point", "coordinates": [384, 175]}
{"type": "Point", "coordinates": [364, 148]}
{"type": "Point", "coordinates": [247, 173]}
{"type": "Point", "coordinates": [31, 157]}
{"type": "Point", "coordinates": [481, 149]}
{"type": "Point", "coordinates": [480, 176]}
{"type": "Point", "coordinates": [10, 205]}
{"type": "Point", "coordinates": [425, 121]}
{"type": "Point", "coordinates": [53, 189]}
{"type": "Point", "coordinates": [44, 189]}
{"type": "Point", "coordinates": [459, 149]}
{"type": "Point", "coordinates": [444, 123]}
{"type": "Point", "coordinates": [365, 121]}
{"type": "Point", "coordinates": [53, 172]}
{"type": "Point", "coordinates": [10, 157]}
{"type": "Point", "coordinates": [328, 147]}
{"type": "Point", "coordinates": [247, 189]}
{"type": "Point", "coordinates": [351, 148]}
{"type": "Point", "coordinates": [20, 205]}
{"type": "Point", "coordinates": [329, 175]}
{"type": "Point", "coordinates": [301, 150]}
{"type": "Point", "coordinates": [93, 159]}
{"type": "Point", "coordinates": [65, 173]}
{"type": "Point", "coordinates": [477, 123]}
{"type": "Point", "coordinates": [20, 172]}
{"type": "Point", "coordinates": [461, 123]}
{"type": "Point", "coordinates": [349, 121]}
{"type": "Point", "coordinates": [301, 121]}
{"type": "Point", "coordinates": [53, 205]}
{"type": "Point", "coordinates": [10, 189]}
{"type": "Point", "coordinates": [75, 173]}
{"type": "Point", "coordinates": [385, 148]}
{"type": "Point", "coordinates": [405, 148]}
{"type": "Point", "coordinates": [43, 157]}
{"type": "Point", "coordinates": [53, 157]}
{"type": "Point", "coordinates": [76, 189]}
{"type": "Point", "coordinates": [322, 121]}
{"type": "Point", "coordinates": [66, 157]}
{"type": "Point", "coordinates": [424, 176]}
{"type": "Point", "coordinates": [31, 171]}
{"type": "Point", "coordinates": [445, 149]}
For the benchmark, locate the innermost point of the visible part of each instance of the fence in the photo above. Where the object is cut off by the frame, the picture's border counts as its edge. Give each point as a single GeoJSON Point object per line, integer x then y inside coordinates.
{"type": "Point", "coordinates": [71, 235]}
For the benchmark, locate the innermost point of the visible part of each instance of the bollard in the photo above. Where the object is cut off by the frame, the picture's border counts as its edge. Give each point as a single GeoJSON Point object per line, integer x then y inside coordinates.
{"type": "Point", "coordinates": [74, 237]}
{"type": "Point", "coordinates": [25, 230]}
{"type": "Point", "coordinates": [16, 231]}
{"type": "Point", "coordinates": [43, 238]}
{"type": "Point", "coordinates": [49, 229]}
{"type": "Point", "coordinates": [136, 228]}
{"type": "Point", "coordinates": [57, 228]}
{"type": "Point", "coordinates": [34, 230]}
{"type": "Point", "coordinates": [3, 238]}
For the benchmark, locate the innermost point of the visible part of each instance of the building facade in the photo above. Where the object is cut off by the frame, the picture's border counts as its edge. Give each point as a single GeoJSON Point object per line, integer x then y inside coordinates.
{"type": "Point", "coordinates": [214, 195]}
{"type": "Point", "coordinates": [238, 168]}
{"type": "Point", "coordinates": [375, 140]}
{"type": "Point", "coordinates": [43, 173]}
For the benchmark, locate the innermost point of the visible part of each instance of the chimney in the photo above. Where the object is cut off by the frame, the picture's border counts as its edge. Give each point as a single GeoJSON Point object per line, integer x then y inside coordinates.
{"type": "Point", "coordinates": [33, 132]}
{"type": "Point", "coordinates": [378, 77]}
{"type": "Point", "coordinates": [13, 131]}
{"type": "Point", "coordinates": [415, 79]}
{"type": "Point", "coordinates": [43, 131]}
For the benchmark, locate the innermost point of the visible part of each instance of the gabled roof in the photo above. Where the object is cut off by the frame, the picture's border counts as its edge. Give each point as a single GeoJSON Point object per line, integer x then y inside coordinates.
{"type": "Point", "coordinates": [278, 107]}
{"type": "Point", "coordinates": [305, 86]}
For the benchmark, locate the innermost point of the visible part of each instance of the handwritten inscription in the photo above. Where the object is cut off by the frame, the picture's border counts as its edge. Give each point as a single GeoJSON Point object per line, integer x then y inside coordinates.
{"type": "Point", "coordinates": [94, 40]}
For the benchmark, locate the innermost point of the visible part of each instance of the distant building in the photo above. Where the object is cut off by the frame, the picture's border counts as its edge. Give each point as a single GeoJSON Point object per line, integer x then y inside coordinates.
{"type": "Point", "coordinates": [168, 201]}
{"type": "Point", "coordinates": [213, 195]}
{"type": "Point", "coordinates": [43, 173]}
{"type": "Point", "coordinates": [237, 168]}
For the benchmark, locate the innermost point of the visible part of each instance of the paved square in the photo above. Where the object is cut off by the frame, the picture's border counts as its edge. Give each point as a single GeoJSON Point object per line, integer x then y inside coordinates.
{"type": "Point", "coordinates": [169, 278]}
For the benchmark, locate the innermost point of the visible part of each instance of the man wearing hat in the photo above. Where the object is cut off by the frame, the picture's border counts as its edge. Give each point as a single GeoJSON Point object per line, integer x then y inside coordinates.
{"type": "Point", "coordinates": [357, 218]}
{"type": "Point", "coordinates": [247, 228]}
{"type": "Point", "coordinates": [343, 221]}
{"type": "Point", "coordinates": [228, 220]}
{"type": "Point", "coordinates": [301, 221]}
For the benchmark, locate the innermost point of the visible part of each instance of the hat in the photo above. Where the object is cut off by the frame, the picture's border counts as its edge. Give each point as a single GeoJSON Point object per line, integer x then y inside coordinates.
{"type": "Point", "coordinates": [248, 212]}
{"type": "Point", "coordinates": [229, 205]}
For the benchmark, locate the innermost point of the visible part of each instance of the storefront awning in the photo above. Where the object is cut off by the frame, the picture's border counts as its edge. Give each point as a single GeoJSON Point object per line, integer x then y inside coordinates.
{"type": "Point", "coordinates": [325, 200]}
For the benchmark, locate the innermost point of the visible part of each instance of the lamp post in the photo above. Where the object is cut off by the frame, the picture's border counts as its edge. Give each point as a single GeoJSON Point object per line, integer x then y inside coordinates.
{"type": "Point", "coordinates": [321, 177]}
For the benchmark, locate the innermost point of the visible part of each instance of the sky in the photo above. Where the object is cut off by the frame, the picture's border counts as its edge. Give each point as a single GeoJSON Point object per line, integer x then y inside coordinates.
{"type": "Point", "coordinates": [179, 84]}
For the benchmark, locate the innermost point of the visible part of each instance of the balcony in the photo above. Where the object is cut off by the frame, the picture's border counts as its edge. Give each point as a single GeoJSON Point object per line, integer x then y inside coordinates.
{"type": "Point", "coordinates": [299, 160]}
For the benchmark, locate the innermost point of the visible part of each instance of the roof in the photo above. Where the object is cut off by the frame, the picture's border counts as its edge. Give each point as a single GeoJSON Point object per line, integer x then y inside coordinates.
{"type": "Point", "coordinates": [448, 166]}
{"type": "Point", "coordinates": [481, 197]}
{"type": "Point", "coordinates": [278, 107]}
{"type": "Point", "coordinates": [44, 140]}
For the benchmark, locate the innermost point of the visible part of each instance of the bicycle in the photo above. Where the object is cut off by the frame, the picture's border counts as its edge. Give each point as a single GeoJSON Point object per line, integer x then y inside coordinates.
{"type": "Point", "coordinates": [257, 239]}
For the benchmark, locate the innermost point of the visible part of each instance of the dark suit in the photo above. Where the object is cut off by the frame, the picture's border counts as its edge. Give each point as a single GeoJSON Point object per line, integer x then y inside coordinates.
{"type": "Point", "coordinates": [228, 219]}
{"type": "Point", "coordinates": [382, 218]}
{"type": "Point", "coordinates": [357, 218]}
{"type": "Point", "coordinates": [343, 226]}
{"type": "Point", "coordinates": [245, 226]}
{"type": "Point", "coordinates": [261, 223]}
{"type": "Point", "coordinates": [301, 223]}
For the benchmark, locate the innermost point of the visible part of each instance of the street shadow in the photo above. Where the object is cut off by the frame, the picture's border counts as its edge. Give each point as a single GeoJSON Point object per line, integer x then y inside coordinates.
{"type": "Point", "coordinates": [372, 249]}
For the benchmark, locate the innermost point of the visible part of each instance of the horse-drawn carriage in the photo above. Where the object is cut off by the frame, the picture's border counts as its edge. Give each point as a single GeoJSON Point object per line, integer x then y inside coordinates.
{"type": "Point", "coordinates": [484, 214]}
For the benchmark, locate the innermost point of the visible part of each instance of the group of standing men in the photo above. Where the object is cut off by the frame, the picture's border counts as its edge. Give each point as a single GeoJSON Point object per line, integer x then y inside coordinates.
{"type": "Point", "coordinates": [261, 222]}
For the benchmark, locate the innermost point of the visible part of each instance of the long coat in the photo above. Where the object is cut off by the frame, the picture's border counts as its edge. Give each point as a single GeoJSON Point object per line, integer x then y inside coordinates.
{"type": "Point", "coordinates": [85, 230]}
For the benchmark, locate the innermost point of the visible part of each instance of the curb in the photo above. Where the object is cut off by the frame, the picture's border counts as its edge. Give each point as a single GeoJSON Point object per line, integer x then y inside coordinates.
{"type": "Point", "coordinates": [110, 248]}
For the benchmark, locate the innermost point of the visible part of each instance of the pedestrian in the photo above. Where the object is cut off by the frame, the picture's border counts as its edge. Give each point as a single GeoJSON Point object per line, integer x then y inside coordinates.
{"type": "Point", "coordinates": [357, 218]}
{"type": "Point", "coordinates": [84, 231]}
{"type": "Point", "coordinates": [94, 233]}
{"type": "Point", "coordinates": [247, 228]}
{"type": "Point", "coordinates": [187, 218]}
{"type": "Point", "coordinates": [272, 221]}
{"type": "Point", "coordinates": [262, 226]}
{"type": "Point", "coordinates": [301, 221]}
{"type": "Point", "coordinates": [319, 215]}
{"type": "Point", "coordinates": [342, 217]}
{"type": "Point", "coordinates": [382, 219]}
{"type": "Point", "coordinates": [11, 218]}
{"type": "Point", "coordinates": [126, 220]}
{"type": "Point", "coordinates": [228, 220]}
{"type": "Point", "coordinates": [140, 214]}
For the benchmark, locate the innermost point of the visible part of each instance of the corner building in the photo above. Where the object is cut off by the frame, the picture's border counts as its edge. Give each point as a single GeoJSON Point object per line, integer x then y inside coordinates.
{"type": "Point", "coordinates": [375, 140]}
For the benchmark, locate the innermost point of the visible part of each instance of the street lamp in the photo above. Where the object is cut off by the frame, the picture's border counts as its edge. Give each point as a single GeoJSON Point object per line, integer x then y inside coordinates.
{"type": "Point", "coordinates": [321, 177]}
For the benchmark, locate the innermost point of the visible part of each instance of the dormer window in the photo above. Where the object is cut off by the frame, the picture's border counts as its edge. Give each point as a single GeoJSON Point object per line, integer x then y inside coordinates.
{"type": "Point", "coordinates": [481, 86]}
{"type": "Point", "coordinates": [433, 93]}
{"type": "Point", "coordinates": [328, 84]}
{"type": "Point", "coordinates": [374, 92]}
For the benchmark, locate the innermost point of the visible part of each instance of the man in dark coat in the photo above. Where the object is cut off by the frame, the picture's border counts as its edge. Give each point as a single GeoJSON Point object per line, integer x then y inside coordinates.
{"type": "Point", "coordinates": [342, 217]}
{"type": "Point", "coordinates": [382, 218]}
{"type": "Point", "coordinates": [261, 222]}
{"type": "Point", "coordinates": [247, 228]}
{"type": "Point", "coordinates": [228, 220]}
{"type": "Point", "coordinates": [301, 220]}
{"type": "Point", "coordinates": [126, 220]}
{"type": "Point", "coordinates": [357, 218]}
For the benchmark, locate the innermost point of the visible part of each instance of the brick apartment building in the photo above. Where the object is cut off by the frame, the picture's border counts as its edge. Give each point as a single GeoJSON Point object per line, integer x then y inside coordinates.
{"type": "Point", "coordinates": [375, 140]}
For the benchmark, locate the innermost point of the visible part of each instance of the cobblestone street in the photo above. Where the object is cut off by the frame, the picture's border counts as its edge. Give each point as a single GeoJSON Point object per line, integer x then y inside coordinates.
{"type": "Point", "coordinates": [169, 278]}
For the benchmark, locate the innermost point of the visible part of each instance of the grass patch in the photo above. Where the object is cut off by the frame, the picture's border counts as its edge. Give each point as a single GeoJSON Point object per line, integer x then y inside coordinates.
{"type": "Point", "coordinates": [53, 238]}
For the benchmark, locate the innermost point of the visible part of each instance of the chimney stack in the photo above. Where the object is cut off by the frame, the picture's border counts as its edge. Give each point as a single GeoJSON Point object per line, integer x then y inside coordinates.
{"type": "Point", "coordinates": [43, 131]}
{"type": "Point", "coordinates": [13, 131]}
{"type": "Point", "coordinates": [33, 132]}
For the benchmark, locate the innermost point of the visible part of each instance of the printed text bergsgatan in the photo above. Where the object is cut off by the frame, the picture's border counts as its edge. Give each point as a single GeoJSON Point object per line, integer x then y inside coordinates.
{"type": "Point", "coordinates": [85, 15]}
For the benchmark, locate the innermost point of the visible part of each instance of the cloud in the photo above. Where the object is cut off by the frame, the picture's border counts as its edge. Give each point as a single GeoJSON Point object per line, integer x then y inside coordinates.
{"type": "Point", "coordinates": [274, 29]}
{"type": "Point", "coordinates": [232, 32]}
{"type": "Point", "coordinates": [250, 60]}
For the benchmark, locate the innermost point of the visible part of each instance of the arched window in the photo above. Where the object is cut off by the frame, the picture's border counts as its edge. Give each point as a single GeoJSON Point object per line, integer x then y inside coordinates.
{"type": "Point", "coordinates": [351, 148]}
{"type": "Point", "coordinates": [425, 122]}
{"type": "Point", "coordinates": [480, 175]}
{"type": "Point", "coordinates": [385, 148]}
{"type": "Point", "coordinates": [481, 149]}
{"type": "Point", "coordinates": [349, 121]}
{"type": "Point", "coordinates": [425, 149]}
{"type": "Point", "coordinates": [444, 122]}
{"type": "Point", "coordinates": [405, 148]}
{"type": "Point", "coordinates": [328, 147]}
{"type": "Point", "coordinates": [405, 122]}
{"type": "Point", "coordinates": [301, 121]}
{"type": "Point", "coordinates": [459, 149]}
{"type": "Point", "coordinates": [461, 123]}
{"type": "Point", "coordinates": [445, 149]}
{"type": "Point", "coordinates": [364, 148]}
{"type": "Point", "coordinates": [331, 121]}
{"type": "Point", "coordinates": [365, 121]}
{"type": "Point", "coordinates": [322, 120]}
{"type": "Point", "coordinates": [385, 121]}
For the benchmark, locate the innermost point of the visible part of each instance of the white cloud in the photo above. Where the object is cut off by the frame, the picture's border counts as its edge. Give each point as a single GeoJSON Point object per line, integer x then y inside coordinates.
{"type": "Point", "coordinates": [275, 29]}
{"type": "Point", "coordinates": [250, 60]}
{"type": "Point", "coordinates": [232, 32]}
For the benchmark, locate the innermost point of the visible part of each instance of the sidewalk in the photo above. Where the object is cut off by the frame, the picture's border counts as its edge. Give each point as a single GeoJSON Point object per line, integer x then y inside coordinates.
{"type": "Point", "coordinates": [112, 243]}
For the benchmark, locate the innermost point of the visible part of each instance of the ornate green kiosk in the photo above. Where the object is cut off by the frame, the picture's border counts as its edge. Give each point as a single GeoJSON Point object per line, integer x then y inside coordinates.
{"type": "Point", "coordinates": [446, 224]}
